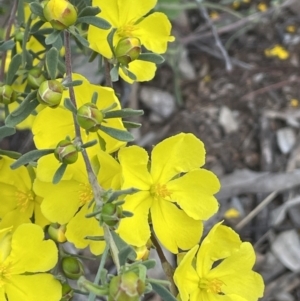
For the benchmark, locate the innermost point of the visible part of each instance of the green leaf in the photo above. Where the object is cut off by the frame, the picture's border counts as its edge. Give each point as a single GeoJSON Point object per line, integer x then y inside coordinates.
{"type": "Point", "coordinates": [102, 142]}
{"type": "Point", "coordinates": [131, 125]}
{"type": "Point", "coordinates": [36, 26]}
{"type": "Point", "coordinates": [117, 134]}
{"type": "Point", "coordinates": [116, 194]}
{"type": "Point", "coordinates": [110, 40]}
{"type": "Point", "coordinates": [26, 38]}
{"type": "Point", "coordinates": [80, 39]}
{"type": "Point", "coordinates": [59, 173]}
{"type": "Point", "coordinates": [7, 45]}
{"type": "Point", "coordinates": [92, 57]}
{"type": "Point", "coordinates": [95, 21]}
{"type": "Point", "coordinates": [52, 37]}
{"type": "Point", "coordinates": [89, 11]}
{"type": "Point", "coordinates": [19, 110]}
{"type": "Point", "coordinates": [163, 292]}
{"type": "Point", "coordinates": [6, 131]}
{"type": "Point", "coordinates": [37, 9]}
{"type": "Point", "coordinates": [126, 250]}
{"type": "Point", "coordinates": [20, 12]}
{"type": "Point", "coordinates": [89, 144]}
{"type": "Point", "coordinates": [74, 83]}
{"type": "Point", "coordinates": [31, 156]}
{"type": "Point", "coordinates": [10, 154]}
{"type": "Point", "coordinates": [124, 113]}
{"type": "Point", "coordinates": [128, 73]}
{"type": "Point", "coordinates": [70, 106]}
{"type": "Point", "coordinates": [12, 120]}
{"type": "Point", "coordinates": [149, 263]}
{"type": "Point", "coordinates": [94, 98]}
{"type": "Point", "coordinates": [114, 73]}
{"type": "Point", "coordinates": [51, 62]}
{"type": "Point", "coordinates": [13, 68]}
{"type": "Point", "coordinates": [151, 57]}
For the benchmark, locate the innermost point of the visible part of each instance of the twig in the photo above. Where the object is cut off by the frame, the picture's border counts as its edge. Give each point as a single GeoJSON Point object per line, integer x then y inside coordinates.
{"type": "Point", "coordinates": [215, 34]}
{"type": "Point", "coordinates": [108, 81]}
{"type": "Point", "coordinates": [7, 36]}
{"type": "Point", "coordinates": [97, 189]}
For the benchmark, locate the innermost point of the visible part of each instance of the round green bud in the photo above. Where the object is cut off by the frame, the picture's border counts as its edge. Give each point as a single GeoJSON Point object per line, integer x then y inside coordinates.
{"type": "Point", "coordinates": [128, 50]}
{"type": "Point", "coordinates": [19, 36]}
{"type": "Point", "coordinates": [50, 93]}
{"type": "Point", "coordinates": [35, 77]}
{"type": "Point", "coordinates": [66, 152]}
{"type": "Point", "coordinates": [60, 13]}
{"type": "Point", "coordinates": [89, 117]}
{"type": "Point", "coordinates": [57, 232]}
{"type": "Point", "coordinates": [111, 214]}
{"type": "Point", "coordinates": [126, 287]}
{"type": "Point", "coordinates": [67, 292]}
{"type": "Point", "coordinates": [7, 94]}
{"type": "Point", "coordinates": [72, 267]}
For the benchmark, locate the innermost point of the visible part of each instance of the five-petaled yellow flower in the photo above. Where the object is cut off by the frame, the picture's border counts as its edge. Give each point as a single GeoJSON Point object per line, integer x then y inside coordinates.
{"type": "Point", "coordinates": [24, 259]}
{"type": "Point", "coordinates": [222, 270]}
{"type": "Point", "coordinates": [128, 17]}
{"type": "Point", "coordinates": [176, 191]}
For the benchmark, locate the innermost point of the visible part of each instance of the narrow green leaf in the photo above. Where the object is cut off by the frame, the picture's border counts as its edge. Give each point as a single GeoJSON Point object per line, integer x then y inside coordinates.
{"type": "Point", "coordinates": [31, 96]}
{"type": "Point", "coordinates": [6, 131]}
{"type": "Point", "coordinates": [7, 45]}
{"type": "Point", "coordinates": [12, 120]}
{"type": "Point", "coordinates": [51, 62]}
{"type": "Point", "coordinates": [31, 156]}
{"type": "Point", "coordinates": [110, 40]}
{"type": "Point", "coordinates": [52, 37]}
{"type": "Point", "coordinates": [128, 73]}
{"type": "Point", "coordinates": [95, 238]}
{"type": "Point", "coordinates": [37, 9]}
{"type": "Point", "coordinates": [36, 26]}
{"type": "Point", "coordinates": [10, 154]}
{"type": "Point", "coordinates": [114, 73]}
{"type": "Point", "coordinates": [80, 39]}
{"type": "Point", "coordinates": [89, 11]}
{"type": "Point", "coordinates": [131, 125]}
{"type": "Point", "coordinates": [26, 38]}
{"type": "Point", "coordinates": [102, 142]}
{"type": "Point", "coordinates": [124, 113]}
{"type": "Point", "coordinates": [149, 264]}
{"type": "Point", "coordinates": [92, 57]}
{"type": "Point", "coordinates": [20, 12]}
{"type": "Point", "coordinates": [117, 134]}
{"type": "Point", "coordinates": [74, 83]}
{"type": "Point", "coordinates": [151, 57]}
{"type": "Point", "coordinates": [94, 98]}
{"type": "Point", "coordinates": [59, 173]}
{"type": "Point", "coordinates": [95, 21]}
{"type": "Point", "coordinates": [163, 292]}
{"type": "Point", "coordinates": [116, 194]}
{"type": "Point", "coordinates": [70, 106]}
{"type": "Point", "coordinates": [13, 68]}
{"type": "Point", "coordinates": [89, 144]}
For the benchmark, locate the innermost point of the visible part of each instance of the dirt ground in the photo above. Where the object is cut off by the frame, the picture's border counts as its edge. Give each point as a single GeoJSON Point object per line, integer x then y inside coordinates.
{"type": "Point", "coordinates": [220, 83]}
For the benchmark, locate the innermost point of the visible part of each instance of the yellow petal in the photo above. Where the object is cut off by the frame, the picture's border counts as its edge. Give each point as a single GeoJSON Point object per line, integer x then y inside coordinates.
{"type": "Point", "coordinates": [33, 288]}
{"type": "Point", "coordinates": [79, 227]}
{"type": "Point", "coordinates": [194, 191]}
{"type": "Point", "coordinates": [174, 229]}
{"type": "Point", "coordinates": [185, 276]}
{"type": "Point", "coordinates": [154, 32]}
{"type": "Point", "coordinates": [30, 252]}
{"type": "Point", "coordinates": [144, 71]}
{"type": "Point", "coordinates": [14, 218]}
{"type": "Point", "coordinates": [180, 153]}
{"type": "Point", "coordinates": [135, 230]}
{"type": "Point", "coordinates": [134, 161]}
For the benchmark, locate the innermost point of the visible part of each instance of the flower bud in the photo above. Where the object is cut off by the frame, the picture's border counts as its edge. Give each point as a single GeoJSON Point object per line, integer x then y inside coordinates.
{"type": "Point", "coordinates": [57, 232]}
{"type": "Point", "coordinates": [19, 36]}
{"type": "Point", "coordinates": [89, 117]}
{"type": "Point", "coordinates": [67, 292]}
{"type": "Point", "coordinates": [50, 93]}
{"type": "Point", "coordinates": [35, 77]}
{"type": "Point", "coordinates": [111, 214]}
{"type": "Point", "coordinates": [128, 50]}
{"type": "Point", "coordinates": [126, 287]}
{"type": "Point", "coordinates": [60, 13]}
{"type": "Point", "coordinates": [72, 267]}
{"type": "Point", "coordinates": [66, 152]}
{"type": "Point", "coordinates": [7, 94]}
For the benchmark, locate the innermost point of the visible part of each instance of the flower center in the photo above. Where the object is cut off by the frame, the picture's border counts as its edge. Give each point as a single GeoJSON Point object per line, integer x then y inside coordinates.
{"type": "Point", "coordinates": [160, 191]}
{"type": "Point", "coordinates": [4, 273]}
{"type": "Point", "coordinates": [24, 199]}
{"type": "Point", "coordinates": [211, 286]}
{"type": "Point", "coordinates": [85, 194]}
{"type": "Point", "coordinates": [126, 30]}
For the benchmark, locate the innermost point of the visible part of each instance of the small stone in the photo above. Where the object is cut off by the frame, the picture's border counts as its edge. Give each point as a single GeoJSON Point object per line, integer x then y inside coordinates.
{"type": "Point", "coordinates": [227, 120]}
{"type": "Point", "coordinates": [286, 139]}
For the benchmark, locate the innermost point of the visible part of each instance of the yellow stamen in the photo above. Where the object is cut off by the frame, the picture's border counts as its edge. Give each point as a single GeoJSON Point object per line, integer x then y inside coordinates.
{"type": "Point", "coordinates": [4, 274]}
{"type": "Point", "coordinates": [126, 30]}
{"type": "Point", "coordinates": [85, 194]}
{"type": "Point", "coordinates": [24, 199]}
{"type": "Point", "coordinates": [160, 191]}
{"type": "Point", "coordinates": [211, 286]}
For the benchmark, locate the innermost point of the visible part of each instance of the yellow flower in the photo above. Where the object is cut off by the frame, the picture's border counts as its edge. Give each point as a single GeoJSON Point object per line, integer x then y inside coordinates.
{"type": "Point", "coordinates": [178, 194]}
{"type": "Point", "coordinates": [262, 7]}
{"type": "Point", "coordinates": [222, 269]}
{"type": "Point", "coordinates": [51, 126]}
{"type": "Point", "coordinates": [277, 51]}
{"type": "Point", "coordinates": [68, 201]}
{"type": "Point", "coordinates": [128, 17]}
{"type": "Point", "coordinates": [23, 263]}
{"type": "Point", "coordinates": [18, 202]}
